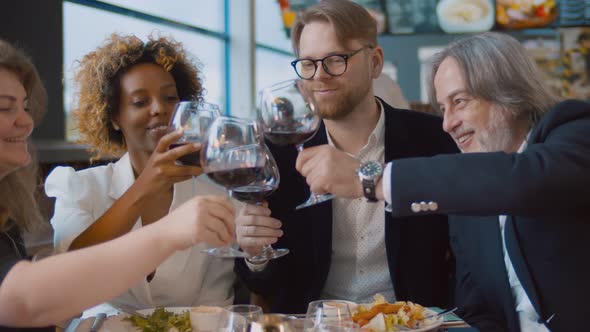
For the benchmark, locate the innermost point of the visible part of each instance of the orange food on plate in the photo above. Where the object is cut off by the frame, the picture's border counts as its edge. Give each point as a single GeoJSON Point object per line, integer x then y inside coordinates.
{"type": "Point", "coordinates": [520, 14]}
{"type": "Point", "coordinates": [381, 316]}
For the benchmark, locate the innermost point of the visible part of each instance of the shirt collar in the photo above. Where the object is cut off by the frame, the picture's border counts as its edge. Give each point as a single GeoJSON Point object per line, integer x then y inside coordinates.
{"type": "Point", "coordinates": [377, 137]}
{"type": "Point", "coordinates": [524, 143]}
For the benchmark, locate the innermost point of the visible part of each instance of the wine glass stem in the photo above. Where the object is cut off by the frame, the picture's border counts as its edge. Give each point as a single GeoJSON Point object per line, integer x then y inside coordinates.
{"type": "Point", "coordinates": [299, 147]}
{"type": "Point", "coordinates": [267, 247]}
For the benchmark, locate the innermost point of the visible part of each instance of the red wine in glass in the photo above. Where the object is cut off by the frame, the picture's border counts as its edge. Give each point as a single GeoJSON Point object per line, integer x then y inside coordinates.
{"type": "Point", "coordinates": [232, 156]}
{"type": "Point", "coordinates": [234, 178]}
{"type": "Point", "coordinates": [280, 137]}
{"type": "Point", "coordinates": [190, 159]}
{"type": "Point", "coordinates": [253, 194]}
{"type": "Point", "coordinates": [266, 182]}
{"type": "Point", "coordinates": [289, 116]}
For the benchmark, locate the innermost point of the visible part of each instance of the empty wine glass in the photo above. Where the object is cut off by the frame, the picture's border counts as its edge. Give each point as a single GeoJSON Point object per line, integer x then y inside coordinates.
{"type": "Point", "coordinates": [273, 323]}
{"type": "Point", "coordinates": [265, 183]}
{"type": "Point", "coordinates": [240, 317]}
{"type": "Point", "coordinates": [328, 312]}
{"type": "Point", "coordinates": [232, 156]}
{"type": "Point", "coordinates": [289, 115]}
{"type": "Point", "coordinates": [194, 118]}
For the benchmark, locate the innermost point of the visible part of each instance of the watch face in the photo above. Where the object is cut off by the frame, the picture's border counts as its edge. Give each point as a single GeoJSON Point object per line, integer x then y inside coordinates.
{"type": "Point", "coordinates": [371, 169]}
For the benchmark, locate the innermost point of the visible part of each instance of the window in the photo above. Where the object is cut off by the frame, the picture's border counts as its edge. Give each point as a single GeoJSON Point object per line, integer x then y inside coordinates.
{"type": "Point", "coordinates": [86, 27]}
{"type": "Point", "coordinates": [206, 14]}
{"type": "Point", "coordinates": [273, 47]}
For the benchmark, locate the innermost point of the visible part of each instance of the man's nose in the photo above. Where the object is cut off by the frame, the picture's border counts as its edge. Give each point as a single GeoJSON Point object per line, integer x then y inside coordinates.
{"type": "Point", "coordinates": [320, 72]}
{"type": "Point", "coordinates": [450, 121]}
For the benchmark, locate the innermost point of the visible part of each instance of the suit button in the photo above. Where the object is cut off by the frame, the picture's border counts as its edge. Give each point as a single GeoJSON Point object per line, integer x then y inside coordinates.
{"type": "Point", "coordinates": [433, 206]}
{"type": "Point", "coordinates": [423, 206]}
{"type": "Point", "coordinates": [415, 207]}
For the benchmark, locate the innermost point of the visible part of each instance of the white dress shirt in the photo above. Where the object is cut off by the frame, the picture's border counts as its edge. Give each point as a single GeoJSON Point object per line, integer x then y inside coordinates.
{"type": "Point", "coordinates": [359, 266]}
{"type": "Point", "coordinates": [527, 315]}
{"type": "Point", "coordinates": [187, 278]}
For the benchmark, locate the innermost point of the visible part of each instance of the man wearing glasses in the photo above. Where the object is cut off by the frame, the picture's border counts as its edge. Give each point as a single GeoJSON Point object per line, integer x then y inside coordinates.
{"type": "Point", "coordinates": [347, 248]}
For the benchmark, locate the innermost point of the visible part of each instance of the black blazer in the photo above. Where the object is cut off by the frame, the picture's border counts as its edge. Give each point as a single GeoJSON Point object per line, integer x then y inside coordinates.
{"type": "Point", "coordinates": [417, 246]}
{"type": "Point", "coordinates": [545, 191]}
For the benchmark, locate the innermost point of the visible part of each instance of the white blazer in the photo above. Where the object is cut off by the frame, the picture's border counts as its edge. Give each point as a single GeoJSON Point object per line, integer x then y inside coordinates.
{"type": "Point", "coordinates": [187, 278]}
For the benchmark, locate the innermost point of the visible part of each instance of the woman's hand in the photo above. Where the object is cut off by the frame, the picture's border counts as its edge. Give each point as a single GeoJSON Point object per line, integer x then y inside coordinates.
{"type": "Point", "coordinates": [208, 219]}
{"type": "Point", "coordinates": [161, 170]}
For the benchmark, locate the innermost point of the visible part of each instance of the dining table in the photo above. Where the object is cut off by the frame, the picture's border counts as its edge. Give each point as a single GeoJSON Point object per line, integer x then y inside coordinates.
{"type": "Point", "coordinates": [90, 315]}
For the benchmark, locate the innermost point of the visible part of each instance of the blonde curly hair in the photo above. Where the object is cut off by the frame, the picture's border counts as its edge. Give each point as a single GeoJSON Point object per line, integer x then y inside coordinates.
{"type": "Point", "coordinates": [98, 84]}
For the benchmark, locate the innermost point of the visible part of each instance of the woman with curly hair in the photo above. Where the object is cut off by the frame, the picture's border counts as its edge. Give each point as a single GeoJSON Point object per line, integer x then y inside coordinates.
{"type": "Point", "coordinates": [35, 294]}
{"type": "Point", "coordinates": [127, 91]}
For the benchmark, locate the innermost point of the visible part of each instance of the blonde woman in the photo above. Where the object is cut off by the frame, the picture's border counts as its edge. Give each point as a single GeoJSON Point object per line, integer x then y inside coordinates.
{"type": "Point", "coordinates": [56, 288]}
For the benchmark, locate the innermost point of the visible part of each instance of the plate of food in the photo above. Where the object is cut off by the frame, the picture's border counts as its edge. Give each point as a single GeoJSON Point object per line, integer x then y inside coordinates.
{"type": "Point", "coordinates": [168, 319]}
{"type": "Point", "coordinates": [465, 16]}
{"type": "Point", "coordinates": [522, 14]}
{"type": "Point", "coordinates": [381, 316]}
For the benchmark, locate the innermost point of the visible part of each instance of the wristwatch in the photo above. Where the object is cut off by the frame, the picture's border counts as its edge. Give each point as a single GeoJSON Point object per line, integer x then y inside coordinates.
{"type": "Point", "coordinates": [369, 174]}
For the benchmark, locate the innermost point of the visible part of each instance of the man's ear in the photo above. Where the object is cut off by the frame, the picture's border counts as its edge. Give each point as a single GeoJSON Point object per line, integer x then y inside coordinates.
{"type": "Point", "coordinates": [377, 62]}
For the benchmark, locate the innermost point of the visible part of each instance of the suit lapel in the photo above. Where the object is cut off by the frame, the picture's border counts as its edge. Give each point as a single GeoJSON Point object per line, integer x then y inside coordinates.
{"type": "Point", "coordinates": [494, 269]}
{"type": "Point", "coordinates": [520, 266]}
{"type": "Point", "coordinates": [396, 144]}
{"type": "Point", "coordinates": [322, 216]}
{"type": "Point", "coordinates": [396, 135]}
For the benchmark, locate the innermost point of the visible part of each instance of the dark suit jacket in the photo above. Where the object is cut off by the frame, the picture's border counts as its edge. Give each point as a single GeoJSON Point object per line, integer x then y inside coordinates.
{"type": "Point", "coordinates": [417, 247]}
{"type": "Point", "coordinates": [545, 191]}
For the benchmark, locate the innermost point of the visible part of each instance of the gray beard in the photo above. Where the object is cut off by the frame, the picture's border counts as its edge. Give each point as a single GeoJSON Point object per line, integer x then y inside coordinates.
{"type": "Point", "coordinates": [499, 135]}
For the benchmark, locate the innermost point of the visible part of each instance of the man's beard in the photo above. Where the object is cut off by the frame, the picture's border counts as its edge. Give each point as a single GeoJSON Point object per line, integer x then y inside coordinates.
{"type": "Point", "coordinates": [341, 107]}
{"type": "Point", "coordinates": [500, 133]}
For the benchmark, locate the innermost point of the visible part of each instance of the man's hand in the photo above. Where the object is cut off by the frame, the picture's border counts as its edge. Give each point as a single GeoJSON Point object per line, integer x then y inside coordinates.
{"type": "Point", "coordinates": [255, 228]}
{"type": "Point", "coordinates": [329, 170]}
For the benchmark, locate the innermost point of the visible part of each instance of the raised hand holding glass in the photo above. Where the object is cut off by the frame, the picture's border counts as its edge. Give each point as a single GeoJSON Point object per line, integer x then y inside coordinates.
{"type": "Point", "coordinates": [194, 118]}
{"type": "Point", "coordinates": [266, 182]}
{"type": "Point", "coordinates": [288, 116]}
{"type": "Point", "coordinates": [232, 156]}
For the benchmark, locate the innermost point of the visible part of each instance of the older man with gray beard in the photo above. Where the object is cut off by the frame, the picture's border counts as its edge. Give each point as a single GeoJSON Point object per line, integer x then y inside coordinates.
{"type": "Point", "coordinates": [517, 196]}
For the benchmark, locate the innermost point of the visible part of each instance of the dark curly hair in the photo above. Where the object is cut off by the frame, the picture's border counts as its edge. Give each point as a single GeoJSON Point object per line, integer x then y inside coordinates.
{"type": "Point", "coordinates": [98, 84]}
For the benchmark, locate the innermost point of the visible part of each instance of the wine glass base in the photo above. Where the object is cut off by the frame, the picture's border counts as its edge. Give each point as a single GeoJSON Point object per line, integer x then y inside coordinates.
{"type": "Point", "coordinates": [315, 199]}
{"type": "Point", "coordinates": [225, 252]}
{"type": "Point", "coordinates": [268, 255]}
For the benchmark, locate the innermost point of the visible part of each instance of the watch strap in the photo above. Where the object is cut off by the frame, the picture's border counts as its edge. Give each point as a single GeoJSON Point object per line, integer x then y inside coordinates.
{"type": "Point", "coordinates": [369, 190]}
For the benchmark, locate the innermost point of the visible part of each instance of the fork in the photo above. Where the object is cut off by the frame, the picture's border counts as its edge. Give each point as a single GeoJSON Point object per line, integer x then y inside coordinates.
{"type": "Point", "coordinates": [444, 312]}
{"type": "Point", "coordinates": [129, 310]}
{"type": "Point", "coordinates": [98, 322]}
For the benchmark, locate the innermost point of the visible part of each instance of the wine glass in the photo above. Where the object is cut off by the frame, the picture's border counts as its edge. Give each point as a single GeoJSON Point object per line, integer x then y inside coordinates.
{"type": "Point", "coordinates": [266, 182]}
{"type": "Point", "coordinates": [232, 156]}
{"type": "Point", "coordinates": [194, 118]}
{"type": "Point", "coordinates": [328, 312]}
{"type": "Point", "coordinates": [274, 323]}
{"type": "Point", "coordinates": [240, 317]}
{"type": "Point", "coordinates": [288, 114]}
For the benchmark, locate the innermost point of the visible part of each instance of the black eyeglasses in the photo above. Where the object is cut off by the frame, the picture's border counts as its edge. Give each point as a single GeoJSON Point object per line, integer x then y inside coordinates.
{"type": "Point", "coordinates": [334, 64]}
